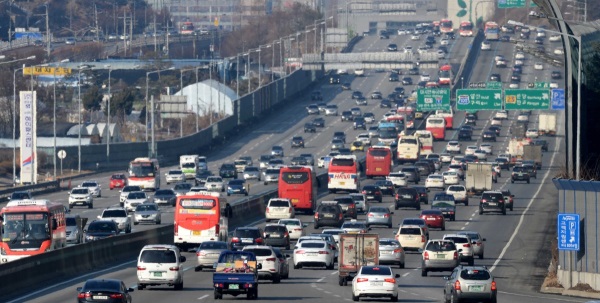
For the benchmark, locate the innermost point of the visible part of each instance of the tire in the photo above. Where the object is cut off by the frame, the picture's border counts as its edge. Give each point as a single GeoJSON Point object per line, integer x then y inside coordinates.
{"type": "Point", "coordinates": [70, 206]}
{"type": "Point", "coordinates": [345, 282]}
{"type": "Point", "coordinates": [423, 273]}
{"type": "Point", "coordinates": [395, 206]}
{"type": "Point", "coordinates": [228, 195]}
{"type": "Point", "coordinates": [512, 181]}
{"type": "Point", "coordinates": [471, 262]}
{"type": "Point", "coordinates": [141, 286]}
{"type": "Point", "coordinates": [467, 202]}
{"type": "Point", "coordinates": [128, 230]}
{"type": "Point", "coordinates": [217, 295]}
{"type": "Point", "coordinates": [330, 266]}
{"type": "Point", "coordinates": [316, 226]}
{"type": "Point", "coordinates": [136, 223]}
{"type": "Point", "coordinates": [418, 207]}
{"type": "Point", "coordinates": [91, 205]}
{"type": "Point", "coordinates": [511, 208]}
{"type": "Point", "coordinates": [494, 300]}
{"type": "Point", "coordinates": [198, 268]}
{"type": "Point", "coordinates": [453, 218]}
{"type": "Point", "coordinates": [276, 279]}
{"type": "Point", "coordinates": [527, 181]}
{"type": "Point", "coordinates": [355, 298]}
{"type": "Point", "coordinates": [341, 282]}
{"type": "Point", "coordinates": [389, 226]}
{"type": "Point", "coordinates": [504, 211]}
{"type": "Point", "coordinates": [480, 211]}
{"type": "Point", "coordinates": [179, 286]}
{"type": "Point", "coordinates": [481, 256]}
{"type": "Point", "coordinates": [401, 265]}
{"type": "Point", "coordinates": [297, 266]}
{"type": "Point", "coordinates": [394, 299]}
{"type": "Point", "coordinates": [444, 227]}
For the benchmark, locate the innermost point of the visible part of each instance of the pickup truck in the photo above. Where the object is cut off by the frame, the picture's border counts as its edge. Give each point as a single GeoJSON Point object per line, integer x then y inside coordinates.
{"type": "Point", "coordinates": [236, 273]}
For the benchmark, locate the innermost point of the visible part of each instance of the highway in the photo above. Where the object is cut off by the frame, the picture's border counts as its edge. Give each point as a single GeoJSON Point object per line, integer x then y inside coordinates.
{"type": "Point", "coordinates": [514, 242]}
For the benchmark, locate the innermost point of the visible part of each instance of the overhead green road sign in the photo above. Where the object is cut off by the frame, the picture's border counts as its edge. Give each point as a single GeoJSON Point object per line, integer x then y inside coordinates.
{"type": "Point", "coordinates": [479, 99]}
{"type": "Point", "coordinates": [541, 85]}
{"type": "Point", "coordinates": [493, 85]}
{"type": "Point", "coordinates": [526, 99]}
{"type": "Point", "coordinates": [429, 99]}
{"type": "Point", "coordinates": [511, 3]}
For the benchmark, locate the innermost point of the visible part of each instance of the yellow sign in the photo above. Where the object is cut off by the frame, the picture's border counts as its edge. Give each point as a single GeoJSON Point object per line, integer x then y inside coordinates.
{"type": "Point", "coordinates": [46, 71]}
{"type": "Point", "coordinates": [216, 21]}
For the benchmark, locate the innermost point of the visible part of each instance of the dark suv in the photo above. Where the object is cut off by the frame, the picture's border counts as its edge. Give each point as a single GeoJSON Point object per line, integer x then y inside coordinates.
{"type": "Point", "coordinates": [423, 167]}
{"type": "Point", "coordinates": [329, 213]}
{"type": "Point", "coordinates": [243, 236]}
{"type": "Point", "coordinates": [101, 229]}
{"type": "Point", "coordinates": [340, 136]}
{"type": "Point", "coordinates": [227, 170]}
{"type": "Point", "coordinates": [347, 115]}
{"type": "Point", "coordinates": [348, 206]}
{"type": "Point", "coordinates": [277, 235]}
{"type": "Point", "coordinates": [492, 201]}
{"type": "Point", "coordinates": [519, 173]}
{"type": "Point", "coordinates": [412, 174]}
{"type": "Point", "coordinates": [464, 134]}
{"type": "Point", "coordinates": [407, 197]}
{"type": "Point", "coordinates": [297, 141]}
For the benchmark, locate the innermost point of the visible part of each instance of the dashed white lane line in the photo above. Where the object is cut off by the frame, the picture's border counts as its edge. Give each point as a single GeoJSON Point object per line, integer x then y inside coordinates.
{"type": "Point", "coordinates": [327, 292]}
{"type": "Point", "coordinates": [405, 274]}
{"type": "Point", "coordinates": [338, 296]}
{"type": "Point", "coordinates": [321, 280]}
{"type": "Point", "coordinates": [203, 297]}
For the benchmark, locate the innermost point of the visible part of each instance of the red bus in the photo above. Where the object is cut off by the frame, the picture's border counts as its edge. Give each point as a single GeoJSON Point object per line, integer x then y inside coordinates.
{"type": "Point", "coordinates": [299, 184]}
{"type": "Point", "coordinates": [31, 227]}
{"type": "Point", "coordinates": [448, 115]}
{"type": "Point", "coordinates": [379, 161]}
{"type": "Point", "coordinates": [466, 29]}
{"type": "Point", "coordinates": [445, 74]}
{"type": "Point", "coordinates": [437, 126]}
{"type": "Point", "coordinates": [186, 28]}
{"type": "Point", "coordinates": [198, 219]}
{"type": "Point", "coordinates": [446, 26]}
{"type": "Point", "coordinates": [343, 174]}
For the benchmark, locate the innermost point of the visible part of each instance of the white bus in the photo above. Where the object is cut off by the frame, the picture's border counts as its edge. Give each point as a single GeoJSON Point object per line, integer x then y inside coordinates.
{"type": "Point", "coordinates": [426, 140]}
{"type": "Point", "coordinates": [343, 174]}
{"type": "Point", "coordinates": [409, 149]}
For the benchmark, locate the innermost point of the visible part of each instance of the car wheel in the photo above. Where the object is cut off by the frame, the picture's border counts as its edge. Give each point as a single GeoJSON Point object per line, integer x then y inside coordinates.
{"type": "Point", "coordinates": [91, 205]}
{"type": "Point", "coordinates": [179, 286]}
{"type": "Point", "coordinates": [316, 226]}
{"type": "Point", "coordinates": [481, 256]}
{"type": "Point", "coordinates": [511, 208]}
{"type": "Point", "coordinates": [467, 202]}
{"type": "Point", "coordinates": [401, 265]}
{"type": "Point", "coordinates": [70, 206]}
{"type": "Point", "coordinates": [481, 211]}
{"type": "Point", "coordinates": [355, 298]}
{"type": "Point", "coordinates": [228, 194]}
{"type": "Point", "coordinates": [444, 227]}
{"type": "Point", "coordinates": [471, 262]}
{"type": "Point", "coordinates": [504, 211]}
{"type": "Point", "coordinates": [136, 223]}
{"type": "Point", "coordinates": [297, 266]}
{"type": "Point", "coordinates": [424, 273]}
{"type": "Point", "coordinates": [512, 181]}
{"type": "Point", "coordinates": [198, 268]}
{"type": "Point", "coordinates": [418, 207]}
{"type": "Point", "coordinates": [276, 279]}
{"type": "Point", "coordinates": [141, 286]}
{"type": "Point", "coordinates": [389, 226]}
{"type": "Point", "coordinates": [394, 298]}
{"type": "Point", "coordinates": [395, 206]}
{"type": "Point", "coordinates": [330, 266]}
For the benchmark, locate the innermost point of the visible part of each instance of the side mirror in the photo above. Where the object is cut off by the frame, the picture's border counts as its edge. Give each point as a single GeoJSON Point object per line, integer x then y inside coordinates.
{"type": "Point", "coordinates": [267, 236]}
{"type": "Point", "coordinates": [287, 256]}
{"type": "Point", "coordinates": [68, 193]}
{"type": "Point", "coordinates": [258, 266]}
{"type": "Point", "coordinates": [130, 289]}
{"type": "Point", "coordinates": [460, 250]}
{"type": "Point", "coordinates": [304, 224]}
{"type": "Point", "coordinates": [420, 250]}
{"type": "Point", "coordinates": [483, 239]}
{"type": "Point", "coordinates": [397, 275]}
{"type": "Point", "coordinates": [392, 212]}
{"type": "Point", "coordinates": [99, 217]}
{"type": "Point", "coordinates": [182, 259]}
{"type": "Point", "coordinates": [512, 196]}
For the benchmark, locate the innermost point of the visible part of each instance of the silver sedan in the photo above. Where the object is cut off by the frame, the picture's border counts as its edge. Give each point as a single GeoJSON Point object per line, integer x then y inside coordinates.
{"type": "Point", "coordinates": [391, 252]}
{"type": "Point", "coordinates": [379, 215]}
{"type": "Point", "coordinates": [208, 253]}
{"type": "Point", "coordinates": [252, 172]}
{"type": "Point", "coordinates": [148, 212]}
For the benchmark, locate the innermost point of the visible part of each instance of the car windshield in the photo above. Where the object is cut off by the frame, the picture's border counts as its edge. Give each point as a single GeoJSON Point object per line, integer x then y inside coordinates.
{"type": "Point", "coordinates": [410, 231]}
{"type": "Point", "coordinates": [458, 239]}
{"type": "Point", "coordinates": [379, 271]}
{"type": "Point", "coordinates": [89, 184]}
{"type": "Point", "coordinates": [80, 191]}
{"type": "Point", "coordinates": [164, 192]}
{"type": "Point", "coordinates": [247, 233]}
{"type": "Point", "coordinates": [289, 222]}
{"type": "Point", "coordinates": [260, 252]}
{"type": "Point", "coordinates": [104, 285]}
{"type": "Point", "coordinates": [158, 256]}
{"type": "Point", "coordinates": [99, 227]}
{"type": "Point", "coordinates": [131, 188]}
{"type": "Point", "coordinates": [209, 179]}
{"type": "Point", "coordinates": [474, 274]}
{"type": "Point", "coordinates": [138, 195]}
{"type": "Point", "coordinates": [388, 243]}
{"type": "Point", "coordinates": [115, 213]}
{"type": "Point", "coordinates": [279, 203]}
{"type": "Point", "coordinates": [146, 207]}
{"type": "Point", "coordinates": [441, 246]}
{"type": "Point", "coordinates": [213, 245]}
{"type": "Point", "coordinates": [312, 244]}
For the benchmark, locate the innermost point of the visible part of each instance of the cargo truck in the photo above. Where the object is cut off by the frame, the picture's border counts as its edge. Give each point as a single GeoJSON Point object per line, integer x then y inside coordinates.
{"type": "Point", "coordinates": [356, 250]}
{"type": "Point", "coordinates": [515, 149]}
{"type": "Point", "coordinates": [236, 273]}
{"type": "Point", "coordinates": [547, 124]}
{"type": "Point", "coordinates": [478, 178]}
{"type": "Point", "coordinates": [534, 153]}
{"type": "Point", "coordinates": [189, 165]}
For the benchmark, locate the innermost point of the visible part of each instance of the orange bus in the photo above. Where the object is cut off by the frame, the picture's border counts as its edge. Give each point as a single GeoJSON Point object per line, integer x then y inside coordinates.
{"type": "Point", "coordinates": [437, 126]}
{"type": "Point", "coordinates": [446, 26]}
{"type": "Point", "coordinates": [466, 29]}
{"type": "Point", "coordinates": [299, 184]}
{"type": "Point", "coordinates": [186, 28]}
{"type": "Point", "coordinates": [31, 227]}
{"type": "Point", "coordinates": [144, 172]}
{"type": "Point", "coordinates": [379, 161]}
{"type": "Point", "coordinates": [343, 174]}
{"type": "Point", "coordinates": [445, 74]}
{"type": "Point", "coordinates": [198, 218]}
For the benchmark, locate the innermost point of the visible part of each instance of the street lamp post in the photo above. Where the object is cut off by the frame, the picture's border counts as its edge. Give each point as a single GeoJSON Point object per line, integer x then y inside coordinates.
{"type": "Point", "coordinates": [81, 68]}
{"type": "Point", "coordinates": [147, 84]}
{"type": "Point", "coordinates": [108, 137]}
{"type": "Point", "coordinates": [54, 116]}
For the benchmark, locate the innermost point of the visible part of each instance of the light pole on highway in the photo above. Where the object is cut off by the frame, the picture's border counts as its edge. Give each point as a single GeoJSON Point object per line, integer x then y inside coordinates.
{"type": "Point", "coordinates": [54, 116]}
{"type": "Point", "coordinates": [81, 68]}
{"type": "Point", "coordinates": [273, 58]}
{"type": "Point", "coordinates": [148, 74]}
{"type": "Point", "coordinates": [108, 137]}
{"type": "Point", "coordinates": [462, 82]}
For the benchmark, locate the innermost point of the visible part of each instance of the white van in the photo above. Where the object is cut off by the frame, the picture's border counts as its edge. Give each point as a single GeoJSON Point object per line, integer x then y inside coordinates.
{"type": "Point", "coordinates": [160, 264]}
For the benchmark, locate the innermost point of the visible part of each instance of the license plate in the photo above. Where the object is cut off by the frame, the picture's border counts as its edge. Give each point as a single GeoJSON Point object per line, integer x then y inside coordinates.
{"type": "Point", "coordinates": [157, 274]}
{"type": "Point", "coordinates": [328, 216]}
{"type": "Point", "coordinates": [295, 200]}
{"type": "Point", "coordinates": [196, 233]}
{"type": "Point", "coordinates": [492, 203]}
{"type": "Point", "coordinates": [311, 254]}
{"type": "Point", "coordinates": [430, 219]}
{"type": "Point", "coordinates": [386, 252]}
{"type": "Point", "coordinates": [378, 169]}
{"type": "Point", "coordinates": [376, 283]}
{"type": "Point", "coordinates": [342, 183]}
{"type": "Point", "coordinates": [370, 197]}
{"type": "Point", "coordinates": [476, 288]}
{"type": "Point", "coordinates": [247, 240]}
{"type": "Point", "coordinates": [440, 256]}
{"type": "Point", "coordinates": [100, 297]}
{"type": "Point", "coordinates": [234, 286]}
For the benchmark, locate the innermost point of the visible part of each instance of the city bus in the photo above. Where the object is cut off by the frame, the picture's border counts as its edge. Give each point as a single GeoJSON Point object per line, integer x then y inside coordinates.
{"type": "Point", "coordinates": [409, 149]}
{"type": "Point", "coordinates": [466, 29]}
{"type": "Point", "coordinates": [299, 184]}
{"type": "Point", "coordinates": [379, 161]}
{"type": "Point", "coordinates": [186, 28]}
{"type": "Point", "coordinates": [426, 140]}
{"type": "Point", "coordinates": [343, 174]}
{"type": "Point", "coordinates": [388, 132]}
{"type": "Point", "coordinates": [198, 218]}
{"type": "Point", "coordinates": [144, 172]}
{"type": "Point", "coordinates": [437, 126]}
{"type": "Point", "coordinates": [446, 26]}
{"type": "Point", "coordinates": [448, 115]}
{"type": "Point", "coordinates": [31, 227]}
{"type": "Point", "coordinates": [491, 31]}
{"type": "Point", "coordinates": [445, 74]}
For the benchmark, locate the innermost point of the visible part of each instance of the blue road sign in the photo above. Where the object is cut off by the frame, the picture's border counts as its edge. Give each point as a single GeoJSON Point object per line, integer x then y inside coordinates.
{"type": "Point", "coordinates": [558, 99]}
{"type": "Point", "coordinates": [568, 232]}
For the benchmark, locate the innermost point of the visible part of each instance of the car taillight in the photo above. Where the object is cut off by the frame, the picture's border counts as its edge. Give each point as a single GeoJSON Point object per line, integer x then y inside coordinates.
{"type": "Point", "coordinates": [397, 196]}
{"type": "Point", "coordinates": [317, 215]}
{"type": "Point", "coordinates": [341, 216]}
{"type": "Point", "coordinates": [362, 280]}
{"type": "Point", "coordinates": [397, 250]}
{"type": "Point", "coordinates": [386, 215]}
{"type": "Point", "coordinates": [362, 231]}
{"type": "Point", "coordinates": [364, 192]}
{"type": "Point", "coordinates": [201, 253]}
{"type": "Point", "coordinates": [174, 268]}
{"type": "Point", "coordinates": [323, 252]}
{"type": "Point", "coordinates": [457, 285]}
{"type": "Point", "coordinates": [390, 280]}
{"type": "Point", "coordinates": [493, 285]}
{"type": "Point", "coordinates": [299, 252]}
{"type": "Point", "coordinates": [217, 229]}
{"type": "Point", "coordinates": [423, 239]}
{"type": "Point", "coordinates": [116, 296]}
{"type": "Point", "coordinates": [378, 193]}
{"type": "Point", "coordinates": [141, 268]}
{"type": "Point", "coordinates": [455, 255]}
{"type": "Point", "coordinates": [259, 241]}
{"type": "Point", "coordinates": [371, 215]}
{"type": "Point", "coordinates": [467, 245]}
{"type": "Point", "coordinates": [483, 200]}
{"type": "Point", "coordinates": [351, 206]}
{"type": "Point", "coordinates": [290, 210]}
{"type": "Point", "coordinates": [271, 259]}
{"type": "Point", "coordinates": [286, 234]}
{"type": "Point", "coordinates": [501, 201]}
{"type": "Point", "coordinates": [267, 210]}
{"type": "Point", "coordinates": [235, 240]}
{"type": "Point", "coordinates": [426, 256]}
{"type": "Point", "coordinates": [82, 295]}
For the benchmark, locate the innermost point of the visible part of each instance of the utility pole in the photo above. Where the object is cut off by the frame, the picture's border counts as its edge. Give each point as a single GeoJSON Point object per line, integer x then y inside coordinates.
{"type": "Point", "coordinates": [47, 33]}
{"type": "Point", "coordinates": [125, 33]}
{"type": "Point", "coordinates": [96, 22]}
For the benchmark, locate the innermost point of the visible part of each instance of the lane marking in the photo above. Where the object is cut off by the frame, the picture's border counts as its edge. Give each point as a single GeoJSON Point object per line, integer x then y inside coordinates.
{"type": "Point", "coordinates": [333, 273]}
{"type": "Point", "coordinates": [321, 280]}
{"type": "Point", "coordinates": [406, 274]}
{"type": "Point", "coordinates": [203, 297]}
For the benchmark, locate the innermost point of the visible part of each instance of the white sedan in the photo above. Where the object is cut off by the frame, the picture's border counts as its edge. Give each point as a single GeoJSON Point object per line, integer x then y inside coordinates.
{"type": "Point", "coordinates": [459, 192]}
{"type": "Point", "coordinates": [425, 77]}
{"type": "Point", "coordinates": [444, 41]}
{"type": "Point", "coordinates": [397, 178]}
{"type": "Point", "coordinates": [451, 177]}
{"type": "Point", "coordinates": [434, 181]}
{"type": "Point", "coordinates": [295, 227]}
{"type": "Point", "coordinates": [445, 158]}
{"type": "Point", "coordinates": [554, 38]}
{"type": "Point", "coordinates": [453, 147]}
{"type": "Point", "coordinates": [532, 133]}
{"type": "Point", "coordinates": [513, 85]}
{"type": "Point", "coordinates": [174, 176]}
{"type": "Point", "coordinates": [415, 37]}
{"type": "Point", "coordinates": [487, 147]}
{"type": "Point", "coordinates": [480, 154]}
{"type": "Point", "coordinates": [375, 281]}
{"type": "Point", "coordinates": [559, 51]}
{"type": "Point", "coordinates": [538, 66]}
{"type": "Point", "coordinates": [470, 150]}
{"type": "Point", "coordinates": [309, 253]}
{"type": "Point", "coordinates": [519, 62]}
{"type": "Point", "coordinates": [501, 114]}
{"type": "Point", "coordinates": [520, 55]}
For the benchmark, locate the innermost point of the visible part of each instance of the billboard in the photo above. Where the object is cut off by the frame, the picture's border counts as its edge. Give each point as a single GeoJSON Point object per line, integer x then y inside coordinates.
{"type": "Point", "coordinates": [28, 136]}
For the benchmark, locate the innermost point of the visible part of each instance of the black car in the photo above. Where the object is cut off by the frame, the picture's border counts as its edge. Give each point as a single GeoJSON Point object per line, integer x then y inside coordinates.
{"type": "Point", "coordinates": [517, 69]}
{"type": "Point", "coordinates": [201, 176]}
{"type": "Point", "coordinates": [464, 134]}
{"type": "Point", "coordinates": [105, 291]}
{"type": "Point", "coordinates": [340, 136]}
{"type": "Point", "coordinates": [244, 236]}
{"type": "Point", "coordinates": [385, 103]}
{"type": "Point", "coordinates": [412, 174]}
{"type": "Point", "coordinates": [488, 136]}
{"type": "Point", "coordinates": [407, 197]}
{"type": "Point", "coordinates": [492, 201]}
{"type": "Point", "coordinates": [386, 187]}
{"type": "Point", "coordinates": [503, 163]}
{"type": "Point", "coordinates": [101, 229]}
{"type": "Point", "coordinates": [346, 86]}
{"type": "Point", "coordinates": [539, 40]}
{"type": "Point", "coordinates": [422, 84]}
{"type": "Point", "coordinates": [359, 122]}
{"type": "Point", "coordinates": [227, 170]}
{"type": "Point", "coordinates": [542, 143]}
{"type": "Point", "coordinates": [443, 48]}
{"type": "Point", "coordinates": [516, 77]}
{"type": "Point", "coordinates": [318, 122]}
{"type": "Point", "coordinates": [495, 78]}
{"type": "Point", "coordinates": [310, 128]}
{"type": "Point", "coordinates": [424, 167]}
{"type": "Point", "coordinates": [504, 38]}
{"type": "Point", "coordinates": [165, 196]}
{"type": "Point", "coordinates": [555, 74]}
{"type": "Point", "coordinates": [299, 160]}
{"type": "Point", "coordinates": [508, 199]}
{"type": "Point", "coordinates": [392, 47]}
{"type": "Point", "coordinates": [471, 120]}
{"type": "Point", "coordinates": [413, 71]}
{"type": "Point", "coordinates": [399, 91]}
{"type": "Point", "coordinates": [334, 79]}
{"type": "Point", "coordinates": [423, 196]}
{"type": "Point", "coordinates": [373, 193]}
{"type": "Point", "coordinates": [407, 81]}
{"type": "Point", "coordinates": [519, 173]}
{"type": "Point", "coordinates": [451, 35]}
{"type": "Point", "coordinates": [329, 213]}
{"type": "Point", "coordinates": [297, 141]}
{"type": "Point", "coordinates": [394, 77]}
{"type": "Point", "coordinates": [276, 235]}
{"type": "Point", "coordinates": [347, 115]}
{"type": "Point", "coordinates": [496, 129]}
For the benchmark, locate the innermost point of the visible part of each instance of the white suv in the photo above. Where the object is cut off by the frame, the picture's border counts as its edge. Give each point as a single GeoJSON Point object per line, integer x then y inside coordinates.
{"type": "Point", "coordinates": [464, 247]}
{"type": "Point", "coordinates": [160, 264]}
{"type": "Point", "coordinates": [94, 187]}
{"type": "Point", "coordinates": [125, 191]}
{"type": "Point", "coordinates": [267, 258]}
{"type": "Point", "coordinates": [459, 192]}
{"type": "Point", "coordinates": [279, 208]}
{"type": "Point", "coordinates": [81, 196]}
{"type": "Point", "coordinates": [120, 216]}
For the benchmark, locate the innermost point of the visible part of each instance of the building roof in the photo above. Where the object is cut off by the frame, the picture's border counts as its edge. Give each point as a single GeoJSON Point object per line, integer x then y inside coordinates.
{"type": "Point", "coordinates": [210, 94]}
